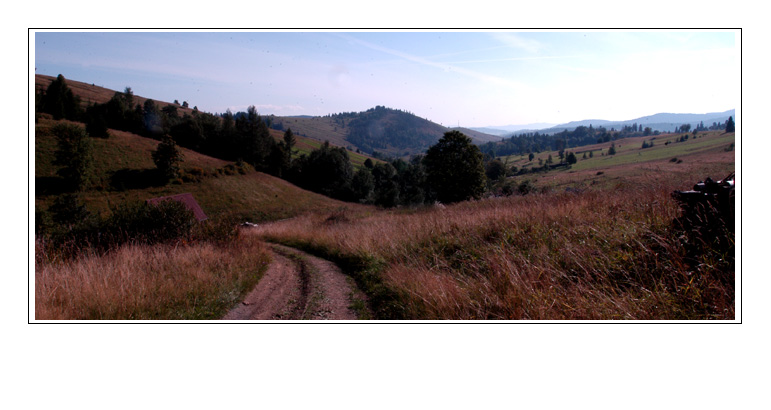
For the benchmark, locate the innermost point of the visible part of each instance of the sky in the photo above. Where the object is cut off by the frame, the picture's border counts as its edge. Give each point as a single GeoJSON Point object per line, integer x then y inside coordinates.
{"type": "Point", "coordinates": [455, 78]}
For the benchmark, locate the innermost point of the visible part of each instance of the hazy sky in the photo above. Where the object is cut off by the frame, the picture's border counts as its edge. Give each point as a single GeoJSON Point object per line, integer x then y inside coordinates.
{"type": "Point", "coordinates": [453, 78]}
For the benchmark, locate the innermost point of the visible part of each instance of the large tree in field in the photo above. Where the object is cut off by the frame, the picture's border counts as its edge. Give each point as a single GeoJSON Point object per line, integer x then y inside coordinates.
{"type": "Point", "coordinates": [455, 168]}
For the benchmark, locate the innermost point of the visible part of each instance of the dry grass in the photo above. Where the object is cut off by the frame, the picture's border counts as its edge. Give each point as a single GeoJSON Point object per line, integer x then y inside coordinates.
{"type": "Point", "coordinates": [161, 282]}
{"type": "Point", "coordinates": [594, 255]}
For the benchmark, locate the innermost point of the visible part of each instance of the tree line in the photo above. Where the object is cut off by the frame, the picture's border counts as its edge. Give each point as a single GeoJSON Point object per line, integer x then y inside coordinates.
{"type": "Point", "coordinates": [452, 170]}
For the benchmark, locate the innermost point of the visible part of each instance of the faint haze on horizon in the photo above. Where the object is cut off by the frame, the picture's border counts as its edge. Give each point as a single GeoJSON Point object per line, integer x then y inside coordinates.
{"type": "Point", "coordinates": [465, 78]}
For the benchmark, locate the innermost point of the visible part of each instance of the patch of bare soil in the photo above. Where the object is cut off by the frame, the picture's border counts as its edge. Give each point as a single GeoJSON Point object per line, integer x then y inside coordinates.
{"type": "Point", "coordinates": [298, 286]}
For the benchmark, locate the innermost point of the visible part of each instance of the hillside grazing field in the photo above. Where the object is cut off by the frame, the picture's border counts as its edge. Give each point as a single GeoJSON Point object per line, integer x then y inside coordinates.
{"type": "Point", "coordinates": [606, 249]}
{"type": "Point", "coordinates": [305, 145]}
{"type": "Point", "coordinates": [321, 128]}
{"type": "Point", "coordinates": [317, 128]}
{"type": "Point", "coordinates": [123, 164]}
{"type": "Point", "coordinates": [710, 153]}
{"type": "Point", "coordinates": [91, 93]}
{"type": "Point", "coordinates": [200, 280]}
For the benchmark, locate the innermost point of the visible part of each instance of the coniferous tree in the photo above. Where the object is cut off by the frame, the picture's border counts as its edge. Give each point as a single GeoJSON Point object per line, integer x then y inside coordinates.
{"type": "Point", "coordinates": [289, 142]}
{"type": "Point", "coordinates": [167, 158]}
{"type": "Point", "coordinates": [74, 154]}
{"type": "Point", "coordinates": [59, 101]}
{"type": "Point", "coordinates": [729, 125]}
{"type": "Point", "coordinates": [363, 185]}
{"type": "Point", "coordinates": [386, 190]}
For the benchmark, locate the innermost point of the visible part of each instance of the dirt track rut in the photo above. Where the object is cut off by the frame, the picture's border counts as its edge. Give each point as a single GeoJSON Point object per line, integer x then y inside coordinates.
{"type": "Point", "coordinates": [298, 286]}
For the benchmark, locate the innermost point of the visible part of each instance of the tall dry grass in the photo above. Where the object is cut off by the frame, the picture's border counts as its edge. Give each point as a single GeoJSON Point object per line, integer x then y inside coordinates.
{"type": "Point", "coordinates": [160, 282]}
{"type": "Point", "coordinates": [594, 255]}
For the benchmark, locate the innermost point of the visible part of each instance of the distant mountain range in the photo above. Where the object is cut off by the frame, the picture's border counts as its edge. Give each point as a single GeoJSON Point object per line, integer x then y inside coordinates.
{"type": "Point", "coordinates": [508, 129]}
{"type": "Point", "coordinates": [661, 122]}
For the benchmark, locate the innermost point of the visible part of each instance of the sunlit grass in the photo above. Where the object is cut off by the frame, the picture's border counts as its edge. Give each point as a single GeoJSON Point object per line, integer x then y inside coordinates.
{"type": "Point", "coordinates": [137, 282]}
{"type": "Point", "coordinates": [594, 255]}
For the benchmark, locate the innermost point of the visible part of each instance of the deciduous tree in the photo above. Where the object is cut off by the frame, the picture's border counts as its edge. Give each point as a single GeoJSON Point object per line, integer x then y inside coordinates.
{"type": "Point", "coordinates": [455, 168]}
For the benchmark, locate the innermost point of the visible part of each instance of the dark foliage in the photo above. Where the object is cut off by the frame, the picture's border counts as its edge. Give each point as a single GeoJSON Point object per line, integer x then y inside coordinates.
{"type": "Point", "coordinates": [327, 170]}
{"type": "Point", "coordinates": [59, 101]}
{"type": "Point", "coordinates": [455, 168]}
{"type": "Point", "coordinates": [167, 158]}
{"type": "Point", "coordinates": [528, 143]}
{"type": "Point", "coordinates": [74, 155]}
{"type": "Point", "coordinates": [382, 128]}
{"type": "Point", "coordinates": [729, 125]}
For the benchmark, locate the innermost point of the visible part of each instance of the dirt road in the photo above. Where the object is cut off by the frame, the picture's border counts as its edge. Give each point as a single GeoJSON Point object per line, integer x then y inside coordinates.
{"type": "Point", "coordinates": [299, 286]}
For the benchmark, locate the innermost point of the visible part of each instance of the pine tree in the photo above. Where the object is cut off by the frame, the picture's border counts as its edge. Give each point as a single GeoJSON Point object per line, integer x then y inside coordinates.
{"type": "Point", "coordinates": [74, 154]}
{"type": "Point", "coordinates": [167, 158]}
{"type": "Point", "coordinates": [729, 125]}
{"type": "Point", "coordinates": [59, 100]}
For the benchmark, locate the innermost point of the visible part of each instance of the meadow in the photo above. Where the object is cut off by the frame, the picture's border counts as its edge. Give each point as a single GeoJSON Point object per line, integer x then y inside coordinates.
{"type": "Point", "coordinates": [198, 281]}
{"type": "Point", "coordinates": [595, 241]}
{"type": "Point", "coordinates": [596, 255]}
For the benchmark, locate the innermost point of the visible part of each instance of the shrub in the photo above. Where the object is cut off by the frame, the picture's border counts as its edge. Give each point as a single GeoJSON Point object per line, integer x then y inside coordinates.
{"type": "Point", "coordinates": [140, 222]}
{"type": "Point", "coordinates": [526, 187]}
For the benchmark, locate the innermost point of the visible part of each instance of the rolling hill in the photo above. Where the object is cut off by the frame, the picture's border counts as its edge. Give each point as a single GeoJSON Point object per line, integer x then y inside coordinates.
{"type": "Point", "coordinates": [90, 94]}
{"type": "Point", "coordinates": [123, 170]}
{"type": "Point", "coordinates": [390, 131]}
{"type": "Point", "coordinates": [386, 130]}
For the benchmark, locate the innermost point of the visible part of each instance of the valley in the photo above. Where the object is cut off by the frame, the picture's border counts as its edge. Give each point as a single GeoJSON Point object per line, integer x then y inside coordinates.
{"type": "Point", "coordinates": [590, 240]}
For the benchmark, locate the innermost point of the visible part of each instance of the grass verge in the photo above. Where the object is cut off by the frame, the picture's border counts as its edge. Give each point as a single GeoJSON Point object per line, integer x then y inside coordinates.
{"type": "Point", "coordinates": [200, 281]}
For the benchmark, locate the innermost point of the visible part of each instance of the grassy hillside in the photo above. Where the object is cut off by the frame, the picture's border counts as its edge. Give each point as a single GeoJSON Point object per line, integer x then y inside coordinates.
{"type": "Point", "coordinates": [123, 164]}
{"type": "Point", "coordinates": [608, 250]}
{"type": "Point", "coordinates": [91, 93]}
{"type": "Point", "coordinates": [709, 154]}
{"type": "Point", "coordinates": [305, 145]}
{"type": "Point", "coordinates": [601, 254]}
{"type": "Point", "coordinates": [320, 127]}
{"type": "Point", "coordinates": [317, 128]}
